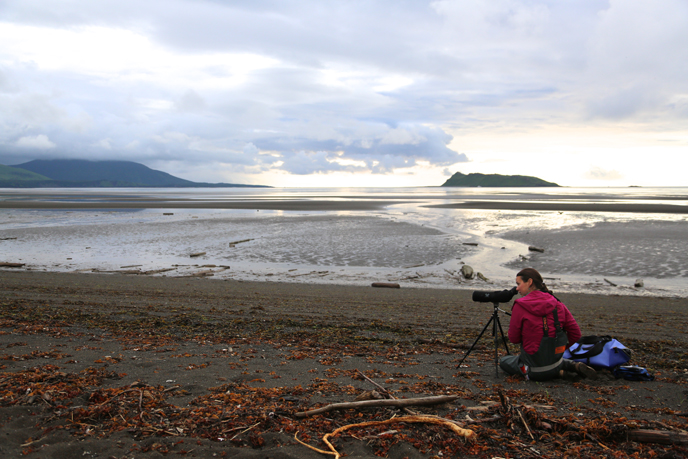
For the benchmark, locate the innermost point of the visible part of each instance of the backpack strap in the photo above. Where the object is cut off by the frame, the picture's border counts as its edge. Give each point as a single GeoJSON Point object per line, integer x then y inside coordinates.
{"type": "Point", "coordinates": [597, 342]}
{"type": "Point", "coordinates": [594, 339]}
{"type": "Point", "coordinates": [557, 325]}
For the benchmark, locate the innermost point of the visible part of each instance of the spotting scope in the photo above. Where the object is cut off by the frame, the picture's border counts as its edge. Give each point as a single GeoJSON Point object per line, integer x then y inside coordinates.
{"type": "Point", "coordinates": [503, 296]}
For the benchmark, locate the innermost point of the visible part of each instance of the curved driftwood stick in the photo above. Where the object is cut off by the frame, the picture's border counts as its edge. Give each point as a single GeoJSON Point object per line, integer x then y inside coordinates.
{"type": "Point", "coordinates": [466, 433]}
{"type": "Point", "coordinates": [424, 401]}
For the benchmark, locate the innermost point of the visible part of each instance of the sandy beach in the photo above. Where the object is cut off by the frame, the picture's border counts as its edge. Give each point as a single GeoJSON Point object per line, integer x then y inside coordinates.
{"type": "Point", "coordinates": [96, 365]}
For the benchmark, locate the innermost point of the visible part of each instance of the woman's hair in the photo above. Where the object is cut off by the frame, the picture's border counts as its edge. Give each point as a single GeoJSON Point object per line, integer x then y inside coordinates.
{"type": "Point", "coordinates": [530, 273]}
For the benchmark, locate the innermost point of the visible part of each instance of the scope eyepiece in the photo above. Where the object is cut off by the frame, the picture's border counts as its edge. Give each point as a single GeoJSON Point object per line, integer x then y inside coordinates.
{"type": "Point", "coordinates": [503, 296]}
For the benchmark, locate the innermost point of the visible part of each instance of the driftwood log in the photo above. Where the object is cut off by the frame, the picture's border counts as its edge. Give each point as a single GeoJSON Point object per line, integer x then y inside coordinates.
{"type": "Point", "coordinates": [658, 436]}
{"type": "Point", "coordinates": [11, 265]}
{"type": "Point", "coordinates": [233, 243]}
{"type": "Point", "coordinates": [205, 273]}
{"type": "Point", "coordinates": [385, 285]}
{"type": "Point", "coordinates": [401, 403]}
{"type": "Point", "coordinates": [158, 271]}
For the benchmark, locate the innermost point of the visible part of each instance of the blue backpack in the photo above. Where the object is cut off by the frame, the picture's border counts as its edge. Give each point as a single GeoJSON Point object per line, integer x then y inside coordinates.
{"type": "Point", "coordinates": [599, 352]}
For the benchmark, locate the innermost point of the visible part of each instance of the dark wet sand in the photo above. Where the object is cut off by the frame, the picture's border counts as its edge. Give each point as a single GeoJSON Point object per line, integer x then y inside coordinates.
{"type": "Point", "coordinates": [203, 333]}
{"type": "Point", "coordinates": [569, 207]}
{"type": "Point", "coordinates": [316, 205]}
{"type": "Point", "coordinates": [138, 200]}
{"type": "Point", "coordinates": [297, 205]}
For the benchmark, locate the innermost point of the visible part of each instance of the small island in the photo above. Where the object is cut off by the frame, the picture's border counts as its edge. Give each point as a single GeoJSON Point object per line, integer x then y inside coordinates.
{"type": "Point", "coordinates": [496, 180]}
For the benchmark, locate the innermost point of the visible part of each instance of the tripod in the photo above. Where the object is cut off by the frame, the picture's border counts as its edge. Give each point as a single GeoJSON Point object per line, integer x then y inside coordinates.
{"type": "Point", "coordinates": [494, 320]}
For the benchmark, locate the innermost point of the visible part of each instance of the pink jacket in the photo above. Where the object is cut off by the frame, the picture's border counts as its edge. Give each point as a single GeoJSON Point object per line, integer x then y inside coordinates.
{"type": "Point", "coordinates": [525, 325]}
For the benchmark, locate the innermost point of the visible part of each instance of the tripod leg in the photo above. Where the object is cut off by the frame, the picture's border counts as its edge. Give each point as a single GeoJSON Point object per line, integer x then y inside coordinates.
{"type": "Point", "coordinates": [497, 325]}
{"type": "Point", "coordinates": [475, 342]}
{"type": "Point", "coordinates": [496, 342]}
{"type": "Point", "coordinates": [506, 345]}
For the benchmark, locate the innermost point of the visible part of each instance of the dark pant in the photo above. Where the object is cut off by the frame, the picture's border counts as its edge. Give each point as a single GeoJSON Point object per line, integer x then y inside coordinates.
{"type": "Point", "coordinates": [511, 364]}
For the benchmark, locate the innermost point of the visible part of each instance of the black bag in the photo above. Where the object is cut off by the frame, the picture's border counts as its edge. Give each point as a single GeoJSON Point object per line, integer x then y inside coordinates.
{"type": "Point", "coordinates": [633, 373]}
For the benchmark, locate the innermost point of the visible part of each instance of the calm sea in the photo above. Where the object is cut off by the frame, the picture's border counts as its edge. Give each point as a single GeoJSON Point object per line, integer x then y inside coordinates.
{"type": "Point", "coordinates": [630, 235]}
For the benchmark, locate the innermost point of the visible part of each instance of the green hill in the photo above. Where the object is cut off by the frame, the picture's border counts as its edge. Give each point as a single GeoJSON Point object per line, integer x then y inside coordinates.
{"type": "Point", "coordinates": [79, 170]}
{"type": "Point", "coordinates": [8, 173]}
{"type": "Point", "coordinates": [58, 173]}
{"type": "Point", "coordinates": [495, 180]}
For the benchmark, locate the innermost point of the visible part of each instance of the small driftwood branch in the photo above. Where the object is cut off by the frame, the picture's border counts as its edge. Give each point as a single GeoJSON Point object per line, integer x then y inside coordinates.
{"type": "Point", "coordinates": [486, 406]}
{"type": "Point", "coordinates": [424, 401]}
{"type": "Point", "coordinates": [119, 394]}
{"type": "Point", "coordinates": [385, 392]}
{"type": "Point", "coordinates": [525, 424]}
{"type": "Point", "coordinates": [610, 282]}
{"type": "Point", "coordinates": [245, 430]}
{"type": "Point", "coordinates": [382, 389]}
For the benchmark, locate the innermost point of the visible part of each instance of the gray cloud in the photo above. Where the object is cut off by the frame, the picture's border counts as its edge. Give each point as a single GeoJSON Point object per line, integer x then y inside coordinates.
{"type": "Point", "coordinates": [382, 150]}
{"type": "Point", "coordinates": [190, 101]}
{"type": "Point", "coordinates": [638, 59]}
{"type": "Point", "coordinates": [317, 162]}
{"type": "Point", "coordinates": [307, 87]}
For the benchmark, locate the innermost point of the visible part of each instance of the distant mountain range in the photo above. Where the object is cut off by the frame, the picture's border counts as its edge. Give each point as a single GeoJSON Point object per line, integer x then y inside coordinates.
{"type": "Point", "coordinates": [495, 180]}
{"type": "Point", "coordinates": [78, 173]}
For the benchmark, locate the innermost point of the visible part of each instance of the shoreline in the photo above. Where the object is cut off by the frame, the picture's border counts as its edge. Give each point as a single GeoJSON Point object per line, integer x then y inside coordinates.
{"type": "Point", "coordinates": [324, 279]}
{"type": "Point", "coordinates": [351, 251]}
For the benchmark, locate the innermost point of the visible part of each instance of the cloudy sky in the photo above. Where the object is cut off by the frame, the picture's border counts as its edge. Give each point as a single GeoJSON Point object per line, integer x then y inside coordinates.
{"type": "Point", "coordinates": [351, 93]}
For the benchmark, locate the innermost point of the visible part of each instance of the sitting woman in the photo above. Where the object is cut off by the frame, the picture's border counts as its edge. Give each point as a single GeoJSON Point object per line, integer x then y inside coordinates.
{"type": "Point", "coordinates": [544, 327]}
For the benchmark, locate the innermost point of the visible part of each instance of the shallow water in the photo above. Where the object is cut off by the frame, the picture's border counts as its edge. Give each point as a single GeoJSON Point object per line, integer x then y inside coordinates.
{"type": "Point", "coordinates": [404, 241]}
